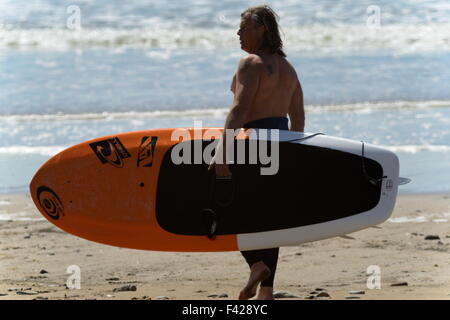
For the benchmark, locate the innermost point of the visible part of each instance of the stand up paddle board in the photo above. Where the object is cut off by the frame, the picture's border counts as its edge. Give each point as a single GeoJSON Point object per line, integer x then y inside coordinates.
{"type": "Point", "coordinates": [132, 190]}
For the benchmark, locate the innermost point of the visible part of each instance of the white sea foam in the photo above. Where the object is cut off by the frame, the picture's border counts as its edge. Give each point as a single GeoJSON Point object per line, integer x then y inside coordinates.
{"type": "Point", "coordinates": [362, 107]}
{"type": "Point", "coordinates": [436, 218]}
{"type": "Point", "coordinates": [132, 115]}
{"type": "Point", "coordinates": [418, 148]}
{"type": "Point", "coordinates": [408, 219]}
{"type": "Point", "coordinates": [366, 107]}
{"type": "Point", "coordinates": [32, 150]}
{"type": "Point", "coordinates": [19, 216]}
{"type": "Point", "coordinates": [40, 146]}
{"type": "Point", "coordinates": [440, 220]}
{"type": "Point", "coordinates": [331, 38]}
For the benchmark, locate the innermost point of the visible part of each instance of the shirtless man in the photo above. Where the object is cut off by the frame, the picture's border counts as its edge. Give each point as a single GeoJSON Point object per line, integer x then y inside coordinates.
{"type": "Point", "coordinates": [266, 90]}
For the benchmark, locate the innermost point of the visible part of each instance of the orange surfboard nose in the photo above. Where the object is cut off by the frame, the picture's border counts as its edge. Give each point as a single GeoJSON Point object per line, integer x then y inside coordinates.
{"type": "Point", "coordinates": [104, 190]}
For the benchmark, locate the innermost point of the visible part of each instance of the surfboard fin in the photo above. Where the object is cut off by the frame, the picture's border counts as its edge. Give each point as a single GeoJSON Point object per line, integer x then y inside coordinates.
{"type": "Point", "coordinates": [403, 181]}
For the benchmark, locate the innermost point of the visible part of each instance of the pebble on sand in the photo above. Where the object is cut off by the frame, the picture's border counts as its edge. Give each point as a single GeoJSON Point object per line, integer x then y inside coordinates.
{"type": "Point", "coordinates": [323, 294]}
{"type": "Point", "coordinates": [283, 295]}
{"type": "Point", "coordinates": [399, 284]}
{"type": "Point", "coordinates": [125, 288]}
{"type": "Point", "coordinates": [357, 292]}
{"type": "Point", "coordinates": [112, 279]}
{"type": "Point", "coordinates": [222, 295]}
{"type": "Point", "coordinates": [26, 293]}
{"type": "Point", "coordinates": [432, 237]}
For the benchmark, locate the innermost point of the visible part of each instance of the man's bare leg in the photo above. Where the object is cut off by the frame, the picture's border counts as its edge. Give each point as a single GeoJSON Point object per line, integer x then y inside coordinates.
{"type": "Point", "coordinates": [265, 293]}
{"type": "Point", "coordinates": [258, 272]}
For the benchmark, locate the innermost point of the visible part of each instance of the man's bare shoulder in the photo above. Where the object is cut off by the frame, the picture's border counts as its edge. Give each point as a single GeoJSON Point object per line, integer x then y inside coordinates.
{"type": "Point", "coordinates": [288, 64]}
{"type": "Point", "coordinates": [251, 62]}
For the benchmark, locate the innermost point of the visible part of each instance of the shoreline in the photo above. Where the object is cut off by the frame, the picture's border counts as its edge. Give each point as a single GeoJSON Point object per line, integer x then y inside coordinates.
{"type": "Point", "coordinates": [35, 257]}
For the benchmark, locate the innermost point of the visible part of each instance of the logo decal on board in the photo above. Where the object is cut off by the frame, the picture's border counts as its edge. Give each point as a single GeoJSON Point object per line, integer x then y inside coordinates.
{"type": "Point", "coordinates": [50, 202]}
{"type": "Point", "coordinates": [146, 151]}
{"type": "Point", "coordinates": [389, 184]}
{"type": "Point", "coordinates": [110, 151]}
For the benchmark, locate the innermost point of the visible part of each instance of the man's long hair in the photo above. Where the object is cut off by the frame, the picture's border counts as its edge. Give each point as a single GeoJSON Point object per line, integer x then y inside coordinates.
{"type": "Point", "coordinates": [265, 16]}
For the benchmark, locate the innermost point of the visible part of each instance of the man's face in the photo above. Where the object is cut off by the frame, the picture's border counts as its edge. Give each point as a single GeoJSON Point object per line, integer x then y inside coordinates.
{"type": "Point", "coordinates": [250, 36]}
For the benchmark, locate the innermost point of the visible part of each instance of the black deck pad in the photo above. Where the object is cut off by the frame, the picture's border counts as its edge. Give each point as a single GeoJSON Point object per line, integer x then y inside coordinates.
{"type": "Point", "coordinates": [313, 185]}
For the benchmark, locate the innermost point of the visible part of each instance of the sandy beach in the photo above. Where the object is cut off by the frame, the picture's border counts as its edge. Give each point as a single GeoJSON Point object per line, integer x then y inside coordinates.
{"type": "Point", "coordinates": [35, 257]}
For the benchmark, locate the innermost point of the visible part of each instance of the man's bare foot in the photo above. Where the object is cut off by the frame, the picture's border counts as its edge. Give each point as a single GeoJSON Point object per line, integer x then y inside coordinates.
{"type": "Point", "coordinates": [265, 293]}
{"type": "Point", "coordinates": [258, 272]}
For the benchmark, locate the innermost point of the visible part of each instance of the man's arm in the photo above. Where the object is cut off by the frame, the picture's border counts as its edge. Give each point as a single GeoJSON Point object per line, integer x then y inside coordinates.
{"type": "Point", "coordinates": [247, 82]}
{"type": "Point", "coordinates": [296, 109]}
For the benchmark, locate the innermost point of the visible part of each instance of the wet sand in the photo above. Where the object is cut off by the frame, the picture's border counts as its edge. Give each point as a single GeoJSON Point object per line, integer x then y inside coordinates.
{"type": "Point", "coordinates": [35, 257]}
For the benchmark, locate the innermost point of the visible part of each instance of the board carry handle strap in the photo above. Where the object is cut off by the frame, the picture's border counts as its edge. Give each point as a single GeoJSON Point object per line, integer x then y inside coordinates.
{"type": "Point", "coordinates": [372, 180]}
{"type": "Point", "coordinates": [209, 216]}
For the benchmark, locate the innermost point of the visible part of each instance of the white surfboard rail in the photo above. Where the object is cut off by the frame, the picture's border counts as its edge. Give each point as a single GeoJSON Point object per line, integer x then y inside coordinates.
{"type": "Point", "coordinates": [380, 213]}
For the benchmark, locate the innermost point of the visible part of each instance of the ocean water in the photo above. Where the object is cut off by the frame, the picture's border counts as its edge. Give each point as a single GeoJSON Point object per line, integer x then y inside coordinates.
{"type": "Point", "coordinates": [71, 71]}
